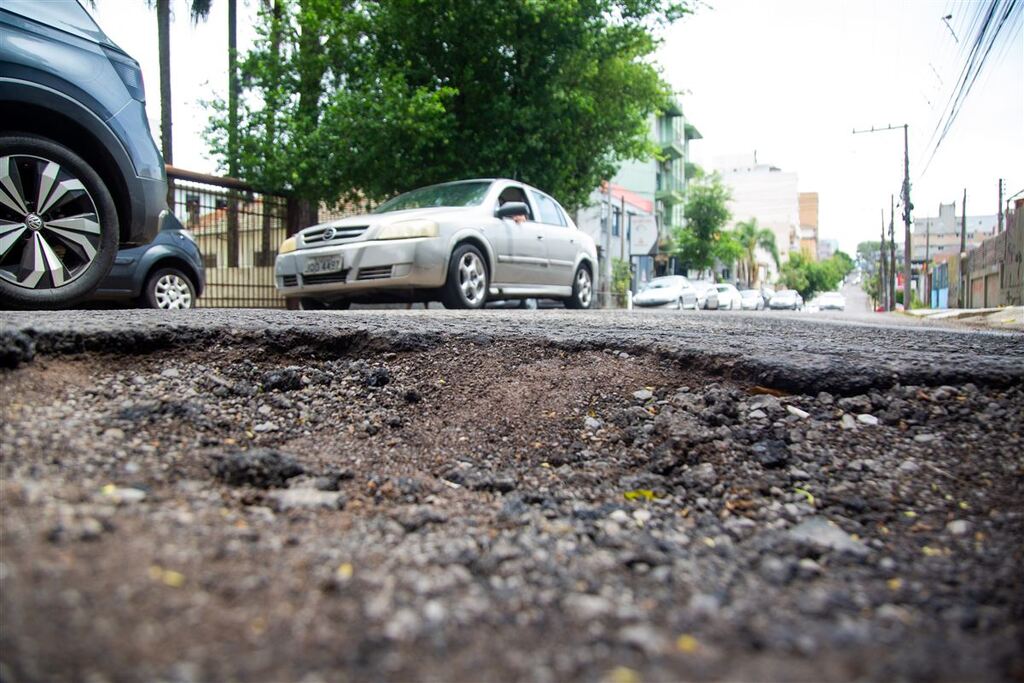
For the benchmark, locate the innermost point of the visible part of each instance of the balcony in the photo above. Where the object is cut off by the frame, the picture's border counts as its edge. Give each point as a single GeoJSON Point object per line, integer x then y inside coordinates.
{"type": "Point", "coordinates": [672, 149]}
{"type": "Point", "coordinates": [670, 197]}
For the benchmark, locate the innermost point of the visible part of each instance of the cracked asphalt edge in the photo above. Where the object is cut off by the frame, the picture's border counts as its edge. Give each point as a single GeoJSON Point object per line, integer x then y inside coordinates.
{"type": "Point", "coordinates": [27, 336]}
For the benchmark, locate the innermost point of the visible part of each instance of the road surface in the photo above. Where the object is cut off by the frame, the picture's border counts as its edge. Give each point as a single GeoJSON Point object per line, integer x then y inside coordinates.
{"type": "Point", "coordinates": [496, 496]}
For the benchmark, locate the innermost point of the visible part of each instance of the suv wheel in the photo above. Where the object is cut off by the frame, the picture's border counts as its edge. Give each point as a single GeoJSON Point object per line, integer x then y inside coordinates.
{"type": "Point", "coordinates": [58, 225]}
{"type": "Point", "coordinates": [169, 288]}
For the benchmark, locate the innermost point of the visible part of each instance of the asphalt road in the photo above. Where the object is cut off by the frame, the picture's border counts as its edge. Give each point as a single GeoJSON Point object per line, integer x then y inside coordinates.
{"type": "Point", "coordinates": [843, 353]}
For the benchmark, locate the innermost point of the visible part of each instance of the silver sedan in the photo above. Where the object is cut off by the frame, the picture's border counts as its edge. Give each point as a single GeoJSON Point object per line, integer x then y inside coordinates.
{"type": "Point", "coordinates": [459, 243]}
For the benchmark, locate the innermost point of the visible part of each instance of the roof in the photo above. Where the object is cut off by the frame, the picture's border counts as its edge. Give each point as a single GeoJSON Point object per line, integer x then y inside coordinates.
{"type": "Point", "coordinates": [619, 193]}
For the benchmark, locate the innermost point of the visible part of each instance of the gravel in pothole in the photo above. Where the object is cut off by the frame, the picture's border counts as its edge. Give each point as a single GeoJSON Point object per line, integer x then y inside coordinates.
{"type": "Point", "coordinates": [500, 512]}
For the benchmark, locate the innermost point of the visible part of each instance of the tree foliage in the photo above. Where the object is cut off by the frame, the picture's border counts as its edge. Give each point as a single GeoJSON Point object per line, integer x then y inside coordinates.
{"type": "Point", "coordinates": [810, 277]}
{"type": "Point", "coordinates": [375, 98]}
{"type": "Point", "coordinates": [868, 251]}
{"type": "Point", "coordinates": [697, 243]}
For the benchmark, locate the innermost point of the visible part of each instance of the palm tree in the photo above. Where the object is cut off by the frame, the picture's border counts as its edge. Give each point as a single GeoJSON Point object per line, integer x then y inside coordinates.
{"type": "Point", "coordinates": [751, 236]}
{"type": "Point", "coordinates": [199, 9]}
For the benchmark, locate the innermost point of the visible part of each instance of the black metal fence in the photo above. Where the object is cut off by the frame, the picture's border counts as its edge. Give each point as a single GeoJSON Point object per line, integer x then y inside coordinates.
{"type": "Point", "coordinates": [239, 230]}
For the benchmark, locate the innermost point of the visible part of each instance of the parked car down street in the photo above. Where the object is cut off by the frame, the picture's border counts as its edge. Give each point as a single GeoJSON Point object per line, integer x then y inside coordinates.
{"type": "Point", "coordinates": [831, 301]}
{"type": "Point", "coordinates": [670, 291]}
{"type": "Point", "coordinates": [80, 172]}
{"type": "Point", "coordinates": [786, 299]}
{"type": "Point", "coordinates": [728, 297]}
{"type": "Point", "coordinates": [459, 243]}
{"type": "Point", "coordinates": [751, 300]}
{"type": "Point", "coordinates": [707, 294]}
{"type": "Point", "coordinates": [167, 273]}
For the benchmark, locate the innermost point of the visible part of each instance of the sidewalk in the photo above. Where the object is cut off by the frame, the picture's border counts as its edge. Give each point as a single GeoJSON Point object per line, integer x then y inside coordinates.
{"type": "Point", "coordinates": [1006, 318]}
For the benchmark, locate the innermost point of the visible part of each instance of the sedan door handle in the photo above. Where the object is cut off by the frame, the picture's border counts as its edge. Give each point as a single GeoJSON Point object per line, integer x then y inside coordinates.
{"type": "Point", "coordinates": [540, 237]}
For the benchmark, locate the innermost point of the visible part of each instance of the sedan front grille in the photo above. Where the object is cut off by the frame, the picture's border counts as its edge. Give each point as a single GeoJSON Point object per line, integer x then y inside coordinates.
{"type": "Point", "coordinates": [333, 234]}
{"type": "Point", "coordinates": [377, 273]}
{"type": "Point", "coordinates": [290, 280]}
{"type": "Point", "coordinates": [325, 278]}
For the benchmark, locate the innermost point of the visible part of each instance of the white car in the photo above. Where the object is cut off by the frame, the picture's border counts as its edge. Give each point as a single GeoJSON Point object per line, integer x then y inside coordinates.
{"type": "Point", "coordinates": [831, 301]}
{"type": "Point", "coordinates": [729, 298]}
{"type": "Point", "coordinates": [671, 291]}
{"type": "Point", "coordinates": [786, 298]}
{"type": "Point", "coordinates": [751, 300]}
{"type": "Point", "coordinates": [460, 243]}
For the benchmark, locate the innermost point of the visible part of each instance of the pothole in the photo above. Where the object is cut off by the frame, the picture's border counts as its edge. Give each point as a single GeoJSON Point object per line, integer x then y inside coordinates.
{"type": "Point", "coordinates": [443, 513]}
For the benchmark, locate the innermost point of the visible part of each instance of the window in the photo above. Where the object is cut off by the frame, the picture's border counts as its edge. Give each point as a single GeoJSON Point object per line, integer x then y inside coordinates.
{"type": "Point", "coordinates": [513, 193]}
{"type": "Point", "coordinates": [548, 209]}
{"type": "Point", "coordinates": [616, 217]}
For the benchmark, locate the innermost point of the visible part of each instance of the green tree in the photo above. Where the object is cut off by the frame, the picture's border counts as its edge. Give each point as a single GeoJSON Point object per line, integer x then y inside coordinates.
{"type": "Point", "coordinates": [751, 236]}
{"type": "Point", "coordinates": [621, 278]}
{"type": "Point", "coordinates": [706, 212]}
{"type": "Point", "coordinates": [810, 277]}
{"type": "Point", "coordinates": [727, 249]}
{"type": "Point", "coordinates": [375, 98]}
{"type": "Point", "coordinates": [868, 251]}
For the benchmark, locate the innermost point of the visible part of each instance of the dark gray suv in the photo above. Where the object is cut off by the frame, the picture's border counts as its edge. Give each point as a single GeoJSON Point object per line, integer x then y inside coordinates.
{"type": "Point", "coordinates": [80, 175]}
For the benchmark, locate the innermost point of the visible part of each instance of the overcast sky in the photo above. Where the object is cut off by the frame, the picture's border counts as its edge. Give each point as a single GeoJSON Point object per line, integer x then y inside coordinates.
{"type": "Point", "coordinates": [790, 79]}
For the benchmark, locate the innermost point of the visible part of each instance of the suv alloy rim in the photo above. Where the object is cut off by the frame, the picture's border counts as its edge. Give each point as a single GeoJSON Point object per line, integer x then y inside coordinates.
{"type": "Point", "coordinates": [49, 224]}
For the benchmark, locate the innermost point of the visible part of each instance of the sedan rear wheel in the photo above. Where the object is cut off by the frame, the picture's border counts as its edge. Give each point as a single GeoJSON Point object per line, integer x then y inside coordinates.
{"type": "Point", "coordinates": [58, 225]}
{"type": "Point", "coordinates": [582, 289]}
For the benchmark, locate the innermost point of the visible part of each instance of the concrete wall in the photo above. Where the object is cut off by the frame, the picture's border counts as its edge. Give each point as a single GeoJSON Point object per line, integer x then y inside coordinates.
{"type": "Point", "coordinates": [994, 272]}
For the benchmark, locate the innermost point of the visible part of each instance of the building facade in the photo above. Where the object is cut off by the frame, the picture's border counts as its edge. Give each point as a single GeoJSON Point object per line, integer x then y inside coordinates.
{"type": "Point", "coordinates": [770, 195]}
{"type": "Point", "coordinates": [938, 237]}
{"type": "Point", "coordinates": [809, 224]}
{"type": "Point", "coordinates": [632, 215]}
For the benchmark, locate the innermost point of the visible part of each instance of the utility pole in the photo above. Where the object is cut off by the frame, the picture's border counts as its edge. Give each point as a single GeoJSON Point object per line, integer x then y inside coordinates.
{"type": "Point", "coordinates": [1001, 183]}
{"type": "Point", "coordinates": [963, 253]}
{"type": "Point", "coordinates": [883, 281]}
{"type": "Point", "coordinates": [607, 268]}
{"type": "Point", "coordinates": [622, 230]}
{"type": "Point", "coordinates": [907, 207]}
{"type": "Point", "coordinates": [892, 253]}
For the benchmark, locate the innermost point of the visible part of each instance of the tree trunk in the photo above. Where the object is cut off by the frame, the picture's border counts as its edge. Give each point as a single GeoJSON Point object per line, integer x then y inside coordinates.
{"type": "Point", "coordinates": [163, 30]}
{"type": "Point", "coordinates": [274, 7]}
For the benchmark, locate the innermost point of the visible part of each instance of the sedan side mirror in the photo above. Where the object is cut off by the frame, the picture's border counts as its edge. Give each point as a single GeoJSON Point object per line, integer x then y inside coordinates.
{"type": "Point", "coordinates": [509, 209]}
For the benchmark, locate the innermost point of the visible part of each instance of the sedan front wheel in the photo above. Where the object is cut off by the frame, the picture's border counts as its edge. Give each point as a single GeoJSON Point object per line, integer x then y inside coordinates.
{"type": "Point", "coordinates": [466, 286]}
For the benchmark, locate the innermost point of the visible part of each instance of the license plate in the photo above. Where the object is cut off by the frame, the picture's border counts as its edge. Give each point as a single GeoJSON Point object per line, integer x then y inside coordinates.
{"type": "Point", "coordinates": [322, 264]}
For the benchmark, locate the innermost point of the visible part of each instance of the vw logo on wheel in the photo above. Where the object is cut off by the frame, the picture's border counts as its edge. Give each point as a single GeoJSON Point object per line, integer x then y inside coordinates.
{"type": "Point", "coordinates": [329, 234]}
{"type": "Point", "coordinates": [34, 222]}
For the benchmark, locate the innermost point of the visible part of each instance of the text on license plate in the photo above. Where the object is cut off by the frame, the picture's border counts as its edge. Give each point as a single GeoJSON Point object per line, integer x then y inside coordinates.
{"type": "Point", "coordinates": [322, 264]}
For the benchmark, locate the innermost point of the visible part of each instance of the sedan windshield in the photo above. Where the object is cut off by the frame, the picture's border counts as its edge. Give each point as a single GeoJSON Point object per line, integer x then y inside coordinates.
{"type": "Point", "coordinates": [448, 194]}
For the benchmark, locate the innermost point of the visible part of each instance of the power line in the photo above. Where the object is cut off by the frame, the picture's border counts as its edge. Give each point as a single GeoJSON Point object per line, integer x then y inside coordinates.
{"type": "Point", "coordinates": [987, 25]}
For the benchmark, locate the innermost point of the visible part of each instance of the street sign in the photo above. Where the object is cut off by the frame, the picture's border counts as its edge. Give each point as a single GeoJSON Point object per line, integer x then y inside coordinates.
{"type": "Point", "coordinates": [643, 234]}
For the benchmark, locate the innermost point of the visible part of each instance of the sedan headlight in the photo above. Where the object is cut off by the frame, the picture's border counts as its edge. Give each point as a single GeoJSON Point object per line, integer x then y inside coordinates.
{"type": "Point", "coordinates": [407, 230]}
{"type": "Point", "coordinates": [287, 246]}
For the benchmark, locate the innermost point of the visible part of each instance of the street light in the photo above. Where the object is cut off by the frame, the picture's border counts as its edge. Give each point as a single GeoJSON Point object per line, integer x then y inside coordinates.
{"type": "Point", "coordinates": [945, 20]}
